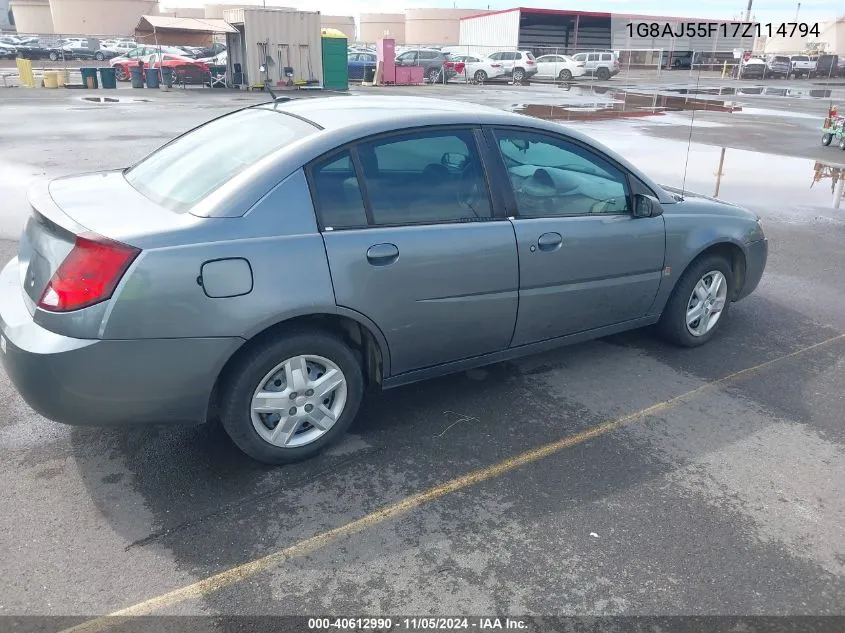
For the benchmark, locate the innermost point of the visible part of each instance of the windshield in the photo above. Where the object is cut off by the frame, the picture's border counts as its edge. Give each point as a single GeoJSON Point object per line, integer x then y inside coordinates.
{"type": "Point", "coordinates": [186, 170]}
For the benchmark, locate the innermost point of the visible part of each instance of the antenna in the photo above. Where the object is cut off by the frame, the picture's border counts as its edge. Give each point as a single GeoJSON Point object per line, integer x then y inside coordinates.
{"type": "Point", "coordinates": [689, 139]}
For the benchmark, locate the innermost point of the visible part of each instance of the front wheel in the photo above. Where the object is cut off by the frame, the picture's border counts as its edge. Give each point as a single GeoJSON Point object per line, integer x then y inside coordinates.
{"type": "Point", "coordinates": [120, 74]}
{"type": "Point", "coordinates": [826, 139]}
{"type": "Point", "coordinates": [290, 397]}
{"type": "Point", "coordinates": [699, 302]}
{"type": "Point", "coordinates": [99, 57]}
{"type": "Point", "coordinates": [54, 56]}
{"type": "Point", "coordinates": [565, 75]}
{"type": "Point", "coordinates": [603, 74]}
{"type": "Point", "coordinates": [480, 76]}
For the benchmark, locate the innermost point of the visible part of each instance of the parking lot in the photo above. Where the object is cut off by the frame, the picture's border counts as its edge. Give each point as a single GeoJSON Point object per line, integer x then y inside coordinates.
{"type": "Point", "coordinates": [620, 476]}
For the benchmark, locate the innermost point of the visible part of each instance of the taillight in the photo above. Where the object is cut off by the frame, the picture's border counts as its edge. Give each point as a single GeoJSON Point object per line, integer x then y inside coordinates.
{"type": "Point", "coordinates": [529, 61]}
{"type": "Point", "coordinates": [88, 275]}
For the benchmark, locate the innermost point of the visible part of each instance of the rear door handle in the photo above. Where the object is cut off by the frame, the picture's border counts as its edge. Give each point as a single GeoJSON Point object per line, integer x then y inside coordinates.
{"type": "Point", "coordinates": [382, 254]}
{"type": "Point", "coordinates": [549, 241]}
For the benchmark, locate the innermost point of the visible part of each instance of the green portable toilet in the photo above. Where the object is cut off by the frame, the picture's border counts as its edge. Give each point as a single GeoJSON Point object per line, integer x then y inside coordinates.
{"type": "Point", "coordinates": [335, 69]}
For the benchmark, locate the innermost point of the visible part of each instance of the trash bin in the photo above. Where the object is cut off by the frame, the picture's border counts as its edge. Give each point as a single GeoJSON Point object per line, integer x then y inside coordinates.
{"type": "Point", "coordinates": [51, 79]}
{"type": "Point", "coordinates": [167, 77]}
{"type": "Point", "coordinates": [370, 74]}
{"type": "Point", "coordinates": [136, 76]}
{"type": "Point", "coordinates": [89, 78]}
{"type": "Point", "coordinates": [108, 77]}
{"type": "Point", "coordinates": [152, 77]}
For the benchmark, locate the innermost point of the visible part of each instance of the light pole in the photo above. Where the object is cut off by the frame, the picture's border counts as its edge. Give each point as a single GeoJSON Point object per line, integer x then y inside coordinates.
{"type": "Point", "coordinates": [748, 10]}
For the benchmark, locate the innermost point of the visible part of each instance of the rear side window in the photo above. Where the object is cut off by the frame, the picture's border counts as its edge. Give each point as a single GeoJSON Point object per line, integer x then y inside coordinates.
{"type": "Point", "coordinates": [337, 196]}
{"type": "Point", "coordinates": [188, 169]}
{"type": "Point", "coordinates": [606, 57]}
{"type": "Point", "coordinates": [425, 177]}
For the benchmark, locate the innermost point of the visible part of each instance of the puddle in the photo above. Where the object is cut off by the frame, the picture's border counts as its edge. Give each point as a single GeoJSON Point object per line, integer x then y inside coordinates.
{"type": "Point", "coordinates": [767, 91]}
{"type": "Point", "coordinates": [623, 104]}
{"type": "Point", "coordinates": [101, 99]}
{"type": "Point", "coordinates": [791, 189]}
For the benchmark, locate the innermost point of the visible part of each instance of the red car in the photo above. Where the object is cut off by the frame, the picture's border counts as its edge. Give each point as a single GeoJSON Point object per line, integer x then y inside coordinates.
{"type": "Point", "coordinates": [185, 67]}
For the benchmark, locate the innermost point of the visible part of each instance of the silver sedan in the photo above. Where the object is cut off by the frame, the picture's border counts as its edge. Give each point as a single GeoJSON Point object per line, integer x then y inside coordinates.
{"type": "Point", "coordinates": [271, 265]}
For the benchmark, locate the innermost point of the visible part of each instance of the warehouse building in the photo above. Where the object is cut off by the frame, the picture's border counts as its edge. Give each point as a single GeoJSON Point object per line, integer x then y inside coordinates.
{"type": "Point", "coordinates": [546, 30]}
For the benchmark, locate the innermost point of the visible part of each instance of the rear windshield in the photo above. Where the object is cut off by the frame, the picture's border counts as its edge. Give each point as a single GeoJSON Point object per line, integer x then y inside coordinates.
{"type": "Point", "coordinates": [186, 170]}
{"type": "Point", "coordinates": [800, 58]}
{"type": "Point", "coordinates": [529, 55]}
{"type": "Point", "coordinates": [782, 59]}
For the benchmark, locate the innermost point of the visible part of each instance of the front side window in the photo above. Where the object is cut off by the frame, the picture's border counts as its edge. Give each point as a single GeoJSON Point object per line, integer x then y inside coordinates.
{"type": "Point", "coordinates": [551, 177]}
{"type": "Point", "coordinates": [580, 57]}
{"type": "Point", "coordinates": [186, 170]}
{"type": "Point", "coordinates": [592, 57]}
{"type": "Point", "coordinates": [424, 177]}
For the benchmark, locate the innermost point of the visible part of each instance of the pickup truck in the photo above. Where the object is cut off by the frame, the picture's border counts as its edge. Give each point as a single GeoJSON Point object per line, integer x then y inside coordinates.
{"type": "Point", "coordinates": [802, 65]}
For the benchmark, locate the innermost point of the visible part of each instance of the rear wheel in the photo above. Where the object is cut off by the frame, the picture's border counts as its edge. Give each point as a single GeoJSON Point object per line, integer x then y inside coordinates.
{"type": "Point", "coordinates": [480, 76]}
{"type": "Point", "coordinates": [290, 397]}
{"type": "Point", "coordinates": [54, 56]}
{"type": "Point", "coordinates": [565, 75]}
{"type": "Point", "coordinates": [518, 75]}
{"type": "Point", "coordinates": [99, 56]}
{"type": "Point", "coordinates": [826, 139]}
{"type": "Point", "coordinates": [699, 302]}
{"type": "Point", "coordinates": [603, 74]}
{"type": "Point", "coordinates": [433, 75]}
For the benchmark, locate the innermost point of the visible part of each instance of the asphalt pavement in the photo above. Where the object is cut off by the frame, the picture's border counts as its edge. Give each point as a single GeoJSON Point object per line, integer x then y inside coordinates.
{"type": "Point", "coordinates": [620, 476]}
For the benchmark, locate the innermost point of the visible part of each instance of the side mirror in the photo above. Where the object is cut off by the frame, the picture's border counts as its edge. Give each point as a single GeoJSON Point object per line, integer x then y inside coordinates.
{"type": "Point", "coordinates": [646, 206]}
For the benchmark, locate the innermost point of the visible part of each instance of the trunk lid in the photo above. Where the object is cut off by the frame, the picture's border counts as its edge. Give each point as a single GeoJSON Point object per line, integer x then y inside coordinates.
{"type": "Point", "coordinates": [101, 203]}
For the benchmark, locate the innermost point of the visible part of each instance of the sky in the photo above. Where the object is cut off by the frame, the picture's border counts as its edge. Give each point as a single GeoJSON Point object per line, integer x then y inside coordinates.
{"type": "Point", "coordinates": [762, 10]}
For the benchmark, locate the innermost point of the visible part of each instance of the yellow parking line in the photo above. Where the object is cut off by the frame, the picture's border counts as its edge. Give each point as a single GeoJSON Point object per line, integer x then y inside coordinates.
{"type": "Point", "coordinates": [241, 572]}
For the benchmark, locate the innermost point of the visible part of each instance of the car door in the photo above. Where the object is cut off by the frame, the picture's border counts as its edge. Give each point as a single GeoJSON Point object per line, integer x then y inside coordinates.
{"type": "Point", "coordinates": [585, 262]}
{"type": "Point", "coordinates": [546, 66]}
{"type": "Point", "coordinates": [413, 244]}
{"type": "Point", "coordinates": [408, 58]}
{"type": "Point", "coordinates": [355, 66]}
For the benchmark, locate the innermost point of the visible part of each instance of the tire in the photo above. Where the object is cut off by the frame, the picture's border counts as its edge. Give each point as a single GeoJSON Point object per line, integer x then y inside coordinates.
{"type": "Point", "coordinates": [673, 322]}
{"type": "Point", "coordinates": [603, 74]}
{"type": "Point", "coordinates": [54, 56]}
{"type": "Point", "coordinates": [827, 139]}
{"type": "Point", "coordinates": [518, 75]}
{"type": "Point", "coordinates": [120, 74]}
{"type": "Point", "coordinates": [255, 369]}
{"type": "Point", "coordinates": [480, 76]}
{"type": "Point", "coordinates": [433, 75]}
{"type": "Point", "coordinates": [677, 64]}
{"type": "Point", "coordinates": [565, 75]}
{"type": "Point", "coordinates": [99, 57]}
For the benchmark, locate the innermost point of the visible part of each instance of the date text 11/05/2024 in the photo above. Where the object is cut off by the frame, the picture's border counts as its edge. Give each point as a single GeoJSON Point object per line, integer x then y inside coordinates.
{"type": "Point", "coordinates": [722, 29]}
{"type": "Point", "coordinates": [417, 624]}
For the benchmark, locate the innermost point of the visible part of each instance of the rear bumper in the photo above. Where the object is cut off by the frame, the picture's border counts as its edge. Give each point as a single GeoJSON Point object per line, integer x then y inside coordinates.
{"type": "Point", "coordinates": [106, 382]}
{"type": "Point", "coordinates": [756, 255]}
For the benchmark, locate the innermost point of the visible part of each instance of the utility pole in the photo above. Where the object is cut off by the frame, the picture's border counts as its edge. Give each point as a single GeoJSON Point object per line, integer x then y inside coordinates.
{"type": "Point", "coordinates": [748, 11]}
{"type": "Point", "coordinates": [797, 10]}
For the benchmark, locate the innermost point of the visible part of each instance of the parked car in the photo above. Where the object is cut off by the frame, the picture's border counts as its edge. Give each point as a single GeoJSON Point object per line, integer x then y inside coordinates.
{"type": "Point", "coordinates": [753, 68]}
{"type": "Point", "coordinates": [185, 68]}
{"type": "Point", "coordinates": [358, 63]}
{"type": "Point", "coordinates": [211, 51]}
{"type": "Point", "coordinates": [121, 47]}
{"type": "Point", "coordinates": [122, 63]}
{"type": "Point", "coordinates": [8, 51]}
{"type": "Point", "coordinates": [602, 64]}
{"type": "Point", "coordinates": [778, 66]}
{"type": "Point", "coordinates": [677, 60]}
{"type": "Point", "coordinates": [560, 67]}
{"type": "Point", "coordinates": [826, 66]}
{"type": "Point", "coordinates": [417, 253]}
{"type": "Point", "coordinates": [79, 48]}
{"type": "Point", "coordinates": [32, 49]}
{"type": "Point", "coordinates": [518, 65]}
{"type": "Point", "coordinates": [478, 67]}
{"type": "Point", "coordinates": [432, 61]}
{"type": "Point", "coordinates": [801, 65]}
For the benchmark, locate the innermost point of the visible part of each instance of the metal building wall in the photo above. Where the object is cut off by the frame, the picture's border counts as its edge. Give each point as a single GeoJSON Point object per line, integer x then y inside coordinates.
{"type": "Point", "coordinates": [32, 16]}
{"type": "Point", "coordinates": [491, 32]}
{"type": "Point", "coordinates": [435, 26]}
{"type": "Point", "coordinates": [99, 17]}
{"type": "Point", "coordinates": [343, 23]}
{"type": "Point", "coordinates": [375, 26]}
{"type": "Point", "coordinates": [279, 27]}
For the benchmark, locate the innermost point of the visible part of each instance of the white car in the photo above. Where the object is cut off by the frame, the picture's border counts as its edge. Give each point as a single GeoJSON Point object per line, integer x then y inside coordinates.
{"type": "Point", "coordinates": [559, 67]}
{"type": "Point", "coordinates": [118, 46]}
{"type": "Point", "coordinates": [478, 67]}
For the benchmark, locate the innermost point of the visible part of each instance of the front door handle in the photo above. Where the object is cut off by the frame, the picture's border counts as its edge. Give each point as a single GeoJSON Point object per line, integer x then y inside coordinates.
{"type": "Point", "coordinates": [382, 254]}
{"type": "Point", "coordinates": [549, 241]}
